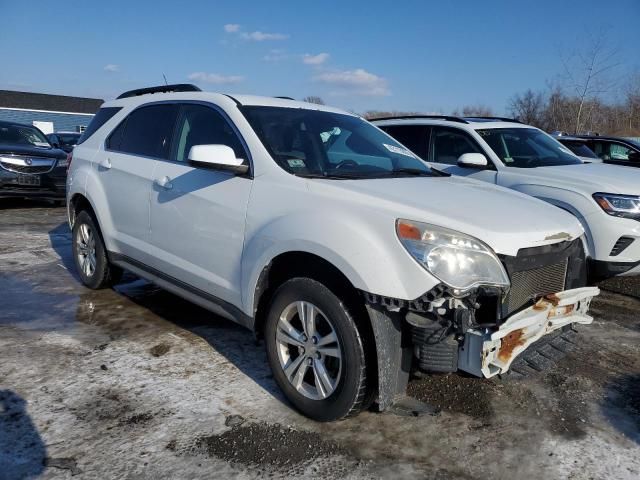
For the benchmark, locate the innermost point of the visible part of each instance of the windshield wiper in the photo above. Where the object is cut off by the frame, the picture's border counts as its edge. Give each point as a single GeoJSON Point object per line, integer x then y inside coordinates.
{"type": "Point", "coordinates": [329, 176]}
{"type": "Point", "coordinates": [418, 172]}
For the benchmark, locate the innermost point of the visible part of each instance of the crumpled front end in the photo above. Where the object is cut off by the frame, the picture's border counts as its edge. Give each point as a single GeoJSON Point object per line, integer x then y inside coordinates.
{"type": "Point", "coordinates": [488, 353]}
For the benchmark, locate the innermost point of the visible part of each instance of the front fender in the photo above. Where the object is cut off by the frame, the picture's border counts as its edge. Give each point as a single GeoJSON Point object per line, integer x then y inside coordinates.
{"type": "Point", "coordinates": [366, 252]}
{"type": "Point", "coordinates": [576, 203]}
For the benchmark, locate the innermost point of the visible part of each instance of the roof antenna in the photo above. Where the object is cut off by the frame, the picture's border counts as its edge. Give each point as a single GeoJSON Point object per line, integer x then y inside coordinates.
{"type": "Point", "coordinates": [165, 79]}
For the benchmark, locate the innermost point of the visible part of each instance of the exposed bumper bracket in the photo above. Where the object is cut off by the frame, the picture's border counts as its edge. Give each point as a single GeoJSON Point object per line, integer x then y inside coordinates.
{"type": "Point", "coordinates": [491, 353]}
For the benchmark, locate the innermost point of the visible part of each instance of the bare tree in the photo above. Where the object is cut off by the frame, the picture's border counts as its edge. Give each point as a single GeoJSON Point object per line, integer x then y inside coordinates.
{"type": "Point", "coordinates": [474, 111]}
{"type": "Point", "coordinates": [587, 73]}
{"type": "Point", "coordinates": [313, 99]}
{"type": "Point", "coordinates": [529, 107]}
{"type": "Point", "coordinates": [373, 114]}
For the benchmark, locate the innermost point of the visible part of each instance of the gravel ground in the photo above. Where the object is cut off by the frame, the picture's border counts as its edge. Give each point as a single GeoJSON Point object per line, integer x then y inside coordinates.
{"type": "Point", "coordinates": [134, 382]}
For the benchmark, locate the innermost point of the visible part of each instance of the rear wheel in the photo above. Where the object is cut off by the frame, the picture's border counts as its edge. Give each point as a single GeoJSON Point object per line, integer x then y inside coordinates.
{"type": "Point", "coordinates": [315, 351]}
{"type": "Point", "coordinates": [90, 255]}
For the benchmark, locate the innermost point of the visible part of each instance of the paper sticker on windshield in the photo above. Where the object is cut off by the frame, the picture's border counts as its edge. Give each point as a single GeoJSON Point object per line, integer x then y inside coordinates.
{"type": "Point", "coordinates": [296, 163]}
{"type": "Point", "coordinates": [399, 150]}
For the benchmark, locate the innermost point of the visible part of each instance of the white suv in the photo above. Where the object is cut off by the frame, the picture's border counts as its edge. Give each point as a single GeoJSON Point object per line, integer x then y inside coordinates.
{"type": "Point", "coordinates": [347, 254]}
{"type": "Point", "coordinates": [604, 198]}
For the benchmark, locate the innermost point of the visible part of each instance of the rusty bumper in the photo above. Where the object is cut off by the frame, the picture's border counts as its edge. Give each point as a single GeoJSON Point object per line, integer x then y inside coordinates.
{"type": "Point", "coordinates": [488, 353]}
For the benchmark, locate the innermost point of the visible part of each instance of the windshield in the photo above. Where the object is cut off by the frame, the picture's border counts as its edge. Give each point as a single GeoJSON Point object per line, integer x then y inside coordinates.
{"type": "Point", "coordinates": [579, 148]}
{"type": "Point", "coordinates": [527, 148]}
{"type": "Point", "coordinates": [22, 135]}
{"type": "Point", "coordinates": [314, 143]}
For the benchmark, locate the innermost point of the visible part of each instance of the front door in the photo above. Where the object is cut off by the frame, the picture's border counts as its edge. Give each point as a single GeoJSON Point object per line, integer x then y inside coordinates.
{"type": "Point", "coordinates": [198, 214]}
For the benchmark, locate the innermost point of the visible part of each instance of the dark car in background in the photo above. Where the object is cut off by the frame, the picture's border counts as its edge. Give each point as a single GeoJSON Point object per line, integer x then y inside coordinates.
{"type": "Point", "coordinates": [64, 140]}
{"type": "Point", "coordinates": [29, 165]}
{"type": "Point", "coordinates": [616, 150]}
{"type": "Point", "coordinates": [579, 147]}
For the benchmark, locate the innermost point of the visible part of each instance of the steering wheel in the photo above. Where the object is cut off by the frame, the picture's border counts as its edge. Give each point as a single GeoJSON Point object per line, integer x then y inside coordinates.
{"type": "Point", "coordinates": [347, 163]}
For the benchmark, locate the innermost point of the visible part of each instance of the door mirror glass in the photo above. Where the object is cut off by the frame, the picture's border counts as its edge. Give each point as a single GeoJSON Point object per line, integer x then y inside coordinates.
{"type": "Point", "coordinates": [472, 160]}
{"type": "Point", "coordinates": [218, 157]}
{"type": "Point", "coordinates": [634, 156]}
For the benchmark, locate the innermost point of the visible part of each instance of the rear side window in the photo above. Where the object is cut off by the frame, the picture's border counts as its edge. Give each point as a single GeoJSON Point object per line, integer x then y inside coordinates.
{"type": "Point", "coordinates": [148, 131]}
{"type": "Point", "coordinates": [414, 137]}
{"type": "Point", "coordinates": [99, 119]}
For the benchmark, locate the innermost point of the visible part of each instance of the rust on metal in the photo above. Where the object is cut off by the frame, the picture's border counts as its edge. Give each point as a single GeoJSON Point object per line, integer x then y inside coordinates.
{"type": "Point", "coordinates": [553, 299]}
{"type": "Point", "coordinates": [509, 343]}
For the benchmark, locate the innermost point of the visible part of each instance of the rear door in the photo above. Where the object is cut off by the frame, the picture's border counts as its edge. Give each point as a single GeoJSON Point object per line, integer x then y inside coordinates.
{"type": "Point", "coordinates": [126, 173]}
{"type": "Point", "coordinates": [198, 214]}
{"type": "Point", "coordinates": [447, 144]}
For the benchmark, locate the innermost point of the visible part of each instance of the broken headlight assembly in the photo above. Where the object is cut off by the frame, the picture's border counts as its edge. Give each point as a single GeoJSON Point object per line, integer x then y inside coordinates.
{"type": "Point", "coordinates": [626, 206]}
{"type": "Point", "coordinates": [460, 261]}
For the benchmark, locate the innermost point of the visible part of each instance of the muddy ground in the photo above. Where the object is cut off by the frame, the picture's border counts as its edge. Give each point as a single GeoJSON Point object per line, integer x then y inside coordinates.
{"type": "Point", "coordinates": [136, 383]}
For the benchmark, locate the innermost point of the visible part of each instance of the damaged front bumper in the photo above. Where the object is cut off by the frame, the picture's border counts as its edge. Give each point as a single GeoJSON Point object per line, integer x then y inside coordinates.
{"type": "Point", "coordinates": [488, 353]}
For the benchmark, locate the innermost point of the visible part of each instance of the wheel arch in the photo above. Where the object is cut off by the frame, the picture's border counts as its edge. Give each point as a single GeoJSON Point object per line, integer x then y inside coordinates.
{"type": "Point", "coordinates": [293, 264]}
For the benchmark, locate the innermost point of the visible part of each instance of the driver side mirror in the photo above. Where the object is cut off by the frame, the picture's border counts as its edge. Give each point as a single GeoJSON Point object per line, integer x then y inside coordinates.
{"type": "Point", "coordinates": [634, 156]}
{"type": "Point", "coordinates": [217, 157]}
{"type": "Point", "coordinates": [473, 160]}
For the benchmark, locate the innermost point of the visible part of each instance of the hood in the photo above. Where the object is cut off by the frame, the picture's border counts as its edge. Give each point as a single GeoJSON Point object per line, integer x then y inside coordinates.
{"type": "Point", "coordinates": [32, 151]}
{"type": "Point", "coordinates": [591, 178]}
{"type": "Point", "coordinates": [503, 219]}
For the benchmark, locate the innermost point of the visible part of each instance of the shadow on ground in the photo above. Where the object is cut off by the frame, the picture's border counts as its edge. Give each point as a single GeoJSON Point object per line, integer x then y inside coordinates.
{"type": "Point", "coordinates": [621, 405]}
{"type": "Point", "coordinates": [22, 451]}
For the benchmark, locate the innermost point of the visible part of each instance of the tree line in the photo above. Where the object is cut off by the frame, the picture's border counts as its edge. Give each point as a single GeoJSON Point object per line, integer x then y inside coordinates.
{"type": "Point", "coordinates": [590, 95]}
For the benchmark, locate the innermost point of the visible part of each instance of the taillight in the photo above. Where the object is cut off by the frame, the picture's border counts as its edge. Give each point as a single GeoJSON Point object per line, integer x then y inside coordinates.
{"type": "Point", "coordinates": [69, 158]}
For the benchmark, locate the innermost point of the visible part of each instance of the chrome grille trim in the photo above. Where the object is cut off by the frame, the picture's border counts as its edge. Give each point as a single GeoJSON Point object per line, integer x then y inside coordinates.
{"type": "Point", "coordinates": [27, 164]}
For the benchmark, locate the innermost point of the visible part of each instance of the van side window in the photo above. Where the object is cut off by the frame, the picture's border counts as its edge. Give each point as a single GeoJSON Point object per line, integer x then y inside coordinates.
{"type": "Point", "coordinates": [202, 125]}
{"type": "Point", "coordinates": [447, 144]}
{"type": "Point", "coordinates": [148, 131]}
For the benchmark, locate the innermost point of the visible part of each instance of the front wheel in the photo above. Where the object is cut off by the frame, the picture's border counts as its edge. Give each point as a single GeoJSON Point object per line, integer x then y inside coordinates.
{"type": "Point", "coordinates": [315, 351]}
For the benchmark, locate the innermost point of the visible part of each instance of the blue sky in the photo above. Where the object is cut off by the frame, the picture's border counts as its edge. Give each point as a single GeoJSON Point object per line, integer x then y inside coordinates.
{"type": "Point", "coordinates": [359, 55]}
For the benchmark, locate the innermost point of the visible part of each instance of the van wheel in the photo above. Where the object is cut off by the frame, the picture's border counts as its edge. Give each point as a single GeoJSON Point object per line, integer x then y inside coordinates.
{"type": "Point", "coordinates": [315, 351]}
{"type": "Point", "coordinates": [90, 255]}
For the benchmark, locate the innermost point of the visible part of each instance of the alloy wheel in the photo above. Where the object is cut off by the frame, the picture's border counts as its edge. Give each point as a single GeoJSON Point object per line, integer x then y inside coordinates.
{"type": "Point", "coordinates": [308, 350]}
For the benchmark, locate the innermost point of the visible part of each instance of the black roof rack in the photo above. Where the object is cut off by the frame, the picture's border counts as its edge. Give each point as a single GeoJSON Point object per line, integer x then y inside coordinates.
{"type": "Point", "coordinates": [285, 98]}
{"type": "Point", "coordinates": [435, 117]}
{"type": "Point", "coordinates": [178, 87]}
{"type": "Point", "coordinates": [501, 119]}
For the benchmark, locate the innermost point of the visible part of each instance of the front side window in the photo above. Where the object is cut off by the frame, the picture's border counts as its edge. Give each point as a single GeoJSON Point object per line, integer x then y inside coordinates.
{"type": "Point", "coordinates": [617, 151]}
{"type": "Point", "coordinates": [527, 148]}
{"type": "Point", "coordinates": [146, 131]}
{"type": "Point", "coordinates": [449, 144]}
{"type": "Point", "coordinates": [22, 135]}
{"type": "Point", "coordinates": [330, 145]}
{"type": "Point", "coordinates": [201, 125]}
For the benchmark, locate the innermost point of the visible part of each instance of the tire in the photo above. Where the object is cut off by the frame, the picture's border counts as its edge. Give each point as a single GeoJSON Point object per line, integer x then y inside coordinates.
{"type": "Point", "coordinates": [90, 255]}
{"type": "Point", "coordinates": [542, 355]}
{"type": "Point", "coordinates": [326, 381]}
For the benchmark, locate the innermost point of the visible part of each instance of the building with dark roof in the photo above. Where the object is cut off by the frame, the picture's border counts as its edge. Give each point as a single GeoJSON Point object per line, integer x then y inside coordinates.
{"type": "Point", "coordinates": [48, 112]}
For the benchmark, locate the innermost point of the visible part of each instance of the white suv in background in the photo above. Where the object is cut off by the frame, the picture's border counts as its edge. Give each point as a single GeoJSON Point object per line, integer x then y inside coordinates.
{"type": "Point", "coordinates": [340, 248]}
{"type": "Point", "coordinates": [604, 198]}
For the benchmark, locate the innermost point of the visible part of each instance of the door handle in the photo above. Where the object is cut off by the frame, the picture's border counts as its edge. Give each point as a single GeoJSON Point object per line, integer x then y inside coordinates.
{"type": "Point", "coordinates": [106, 164]}
{"type": "Point", "coordinates": [164, 182]}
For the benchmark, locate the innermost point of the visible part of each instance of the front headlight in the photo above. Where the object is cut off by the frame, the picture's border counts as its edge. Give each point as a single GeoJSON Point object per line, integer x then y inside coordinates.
{"type": "Point", "coordinates": [627, 206]}
{"type": "Point", "coordinates": [456, 259]}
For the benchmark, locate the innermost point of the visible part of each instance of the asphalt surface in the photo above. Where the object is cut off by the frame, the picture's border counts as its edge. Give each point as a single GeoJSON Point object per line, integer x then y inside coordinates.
{"type": "Point", "coordinates": [133, 382]}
